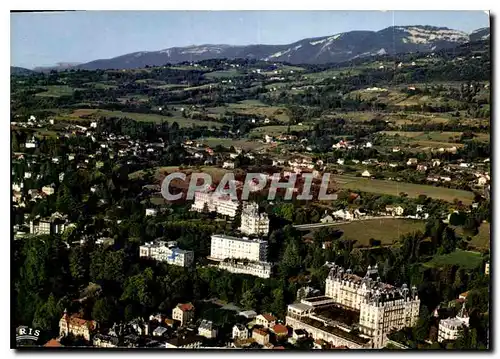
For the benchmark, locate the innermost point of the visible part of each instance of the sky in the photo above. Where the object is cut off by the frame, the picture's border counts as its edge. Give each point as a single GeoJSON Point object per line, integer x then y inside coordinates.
{"type": "Point", "coordinates": [44, 39]}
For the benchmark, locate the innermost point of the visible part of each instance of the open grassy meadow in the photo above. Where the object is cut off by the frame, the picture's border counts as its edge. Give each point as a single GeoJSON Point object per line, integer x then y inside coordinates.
{"type": "Point", "coordinates": [395, 188]}
{"type": "Point", "coordinates": [56, 91]}
{"type": "Point", "coordinates": [385, 230]}
{"type": "Point", "coordinates": [482, 239]}
{"type": "Point", "coordinates": [275, 130]}
{"type": "Point", "coordinates": [147, 117]}
{"type": "Point", "coordinates": [463, 259]}
{"type": "Point", "coordinates": [228, 142]}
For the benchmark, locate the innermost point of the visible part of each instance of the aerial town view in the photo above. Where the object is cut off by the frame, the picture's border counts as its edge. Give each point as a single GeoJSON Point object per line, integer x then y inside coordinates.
{"type": "Point", "coordinates": [283, 180]}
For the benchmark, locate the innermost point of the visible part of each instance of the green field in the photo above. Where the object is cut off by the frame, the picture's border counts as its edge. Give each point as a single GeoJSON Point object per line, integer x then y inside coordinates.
{"type": "Point", "coordinates": [395, 188]}
{"type": "Point", "coordinates": [252, 107]}
{"type": "Point", "coordinates": [480, 240]}
{"type": "Point", "coordinates": [275, 130]}
{"type": "Point", "coordinates": [223, 74]}
{"type": "Point", "coordinates": [147, 117]}
{"type": "Point", "coordinates": [227, 142]}
{"type": "Point", "coordinates": [56, 91]}
{"type": "Point", "coordinates": [385, 230]}
{"type": "Point", "coordinates": [429, 136]}
{"type": "Point", "coordinates": [463, 259]}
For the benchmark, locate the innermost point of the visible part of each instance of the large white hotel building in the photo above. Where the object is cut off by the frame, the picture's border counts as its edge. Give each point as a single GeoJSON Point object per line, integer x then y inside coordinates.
{"type": "Point", "coordinates": [253, 222]}
{"type": "Point", "coordinates": [355, 311]}
{"type": "Point", "coordinates": [215, 202]}
{"type": "Point", "coordinates": [165, 252]}
{"type": "Point", "coordinates": [223, 247]}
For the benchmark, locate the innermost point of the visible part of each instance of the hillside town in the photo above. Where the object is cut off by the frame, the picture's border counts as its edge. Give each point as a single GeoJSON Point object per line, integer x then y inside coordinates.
{"type": "Point", "coordinates": [317, 206]}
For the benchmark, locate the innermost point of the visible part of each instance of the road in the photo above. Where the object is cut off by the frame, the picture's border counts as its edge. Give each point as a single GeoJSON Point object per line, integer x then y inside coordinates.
{"type": "Point", "coordinates": [319, 225]}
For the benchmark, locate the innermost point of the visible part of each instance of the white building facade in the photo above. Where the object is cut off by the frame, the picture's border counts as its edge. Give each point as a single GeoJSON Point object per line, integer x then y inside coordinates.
{"type": "Point", "coordinates": [223, 247]}
{"type": "Point", "coordinates": [257, 269]}
{"type": "Point", "coordinates": [215, 202]}
{"type": "Point", "coordinates": [253, 222]}
{"type": "Point", "coordinates": [377, 308]}
{"type": "Point", "coordinates": [160, 251]}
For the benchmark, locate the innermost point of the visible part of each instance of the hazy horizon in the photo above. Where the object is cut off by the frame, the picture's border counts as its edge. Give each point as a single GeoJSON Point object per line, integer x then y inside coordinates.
{"type": "Point", "coordinates": [48, 38]}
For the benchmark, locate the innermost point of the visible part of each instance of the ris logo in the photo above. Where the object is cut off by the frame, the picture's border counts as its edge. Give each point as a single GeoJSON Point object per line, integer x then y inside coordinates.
{"type": "Point", "coordinates": [24, 333]}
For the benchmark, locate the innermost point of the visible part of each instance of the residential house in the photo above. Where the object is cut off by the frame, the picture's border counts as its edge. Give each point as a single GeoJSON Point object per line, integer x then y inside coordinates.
{"type": "Point", "coordinates": [341, 161]}
{"type": "Point", "coordinates": [75, 325]}
{"type": "Point", "coordinates": [482, 180]}
{"type": "Point", "coordinates": [55, 224]}
{"type": "Point", "coordinates": [280, 331]}
{"type": "Point", "coordinates": [228, 165]}
{"type": "Point", "coordinates": [343, 214]}
{"type": "Point", "coordinates": [183, 313]}
{"type": "Point", "coordinates": [421, 168]}
{"type": "Point", "coordinates": [105, 341]}
{"type": "Point", "coordinates": [366, 173]}
{"type": "Point", "coordinates": [261, 336]}
{"type": "Point", "coordinates": [436, 163]}
{"type": "Point", "coordinates": [266, 320]}
{"type": "Point", "coordinates": [412, 162]}
{"type": "Point", "coordinates": [207, 329]}
{"type": "Point", "coordinates": [48, 190]}
{"type": "Point", "coordinates": [395, 211]}
{"type": "Point", "coordinates": [240, 332]}
{"type": "Point", "coordinates": [450, 328]}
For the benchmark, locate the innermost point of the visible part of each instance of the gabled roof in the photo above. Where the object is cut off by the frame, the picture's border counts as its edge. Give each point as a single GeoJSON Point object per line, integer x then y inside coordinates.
{"type": "Point", "coordinates": [269, 317]}
{"type": "Point", "coordinates": [259, 331]}
{"type": "Point", "coordinates": [280, 329]}
{"type": "Point", "coordinates": [185, 307]}
{"type": "Point", "coordinates": [53, 343]}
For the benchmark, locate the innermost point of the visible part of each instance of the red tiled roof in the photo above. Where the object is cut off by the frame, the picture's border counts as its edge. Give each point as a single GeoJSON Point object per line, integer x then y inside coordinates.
{"type": "Point", "coordinates": [53, 343]}
{"type": "Point", "coordinates": [269, 317]}
{"type": "Point", "coordinates": [186, 307]}
{"type": "Point", "coordinates": [260, 332]}
{"type": "Point", "coordinates": [340, 347]}
{"type": "Point", "coordinates": [280, 329]}
{"type": "Point", "coordinates": [75, 320]}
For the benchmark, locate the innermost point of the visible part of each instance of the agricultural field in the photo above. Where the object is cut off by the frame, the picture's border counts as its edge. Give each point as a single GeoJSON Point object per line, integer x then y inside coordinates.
{"type": "Point", "coordinates": [275, 130]}
{"type": "Point", "coordinates": [480, 240]}
{"type": "Point", "coordinates": [223, 74]}
{"type": "Point", "coordinates": [385, 230]}
{"type": "Point", "coordinates": [252, 107]}
{"type": "Point", "coordinates": [56, 91]}
{"type": "Point", "coordinates": [464, 259]}
{"type": "Point", "coordinates": [395, 188]}
{"type": "Point", "coordinates": [145, 117]}
{"type": "Point", "coordinates": [228, 142]}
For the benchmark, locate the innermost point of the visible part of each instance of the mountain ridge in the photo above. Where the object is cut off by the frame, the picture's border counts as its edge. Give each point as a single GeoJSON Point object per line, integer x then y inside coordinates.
{"type": "Point", "coordinates": [335, 48]}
